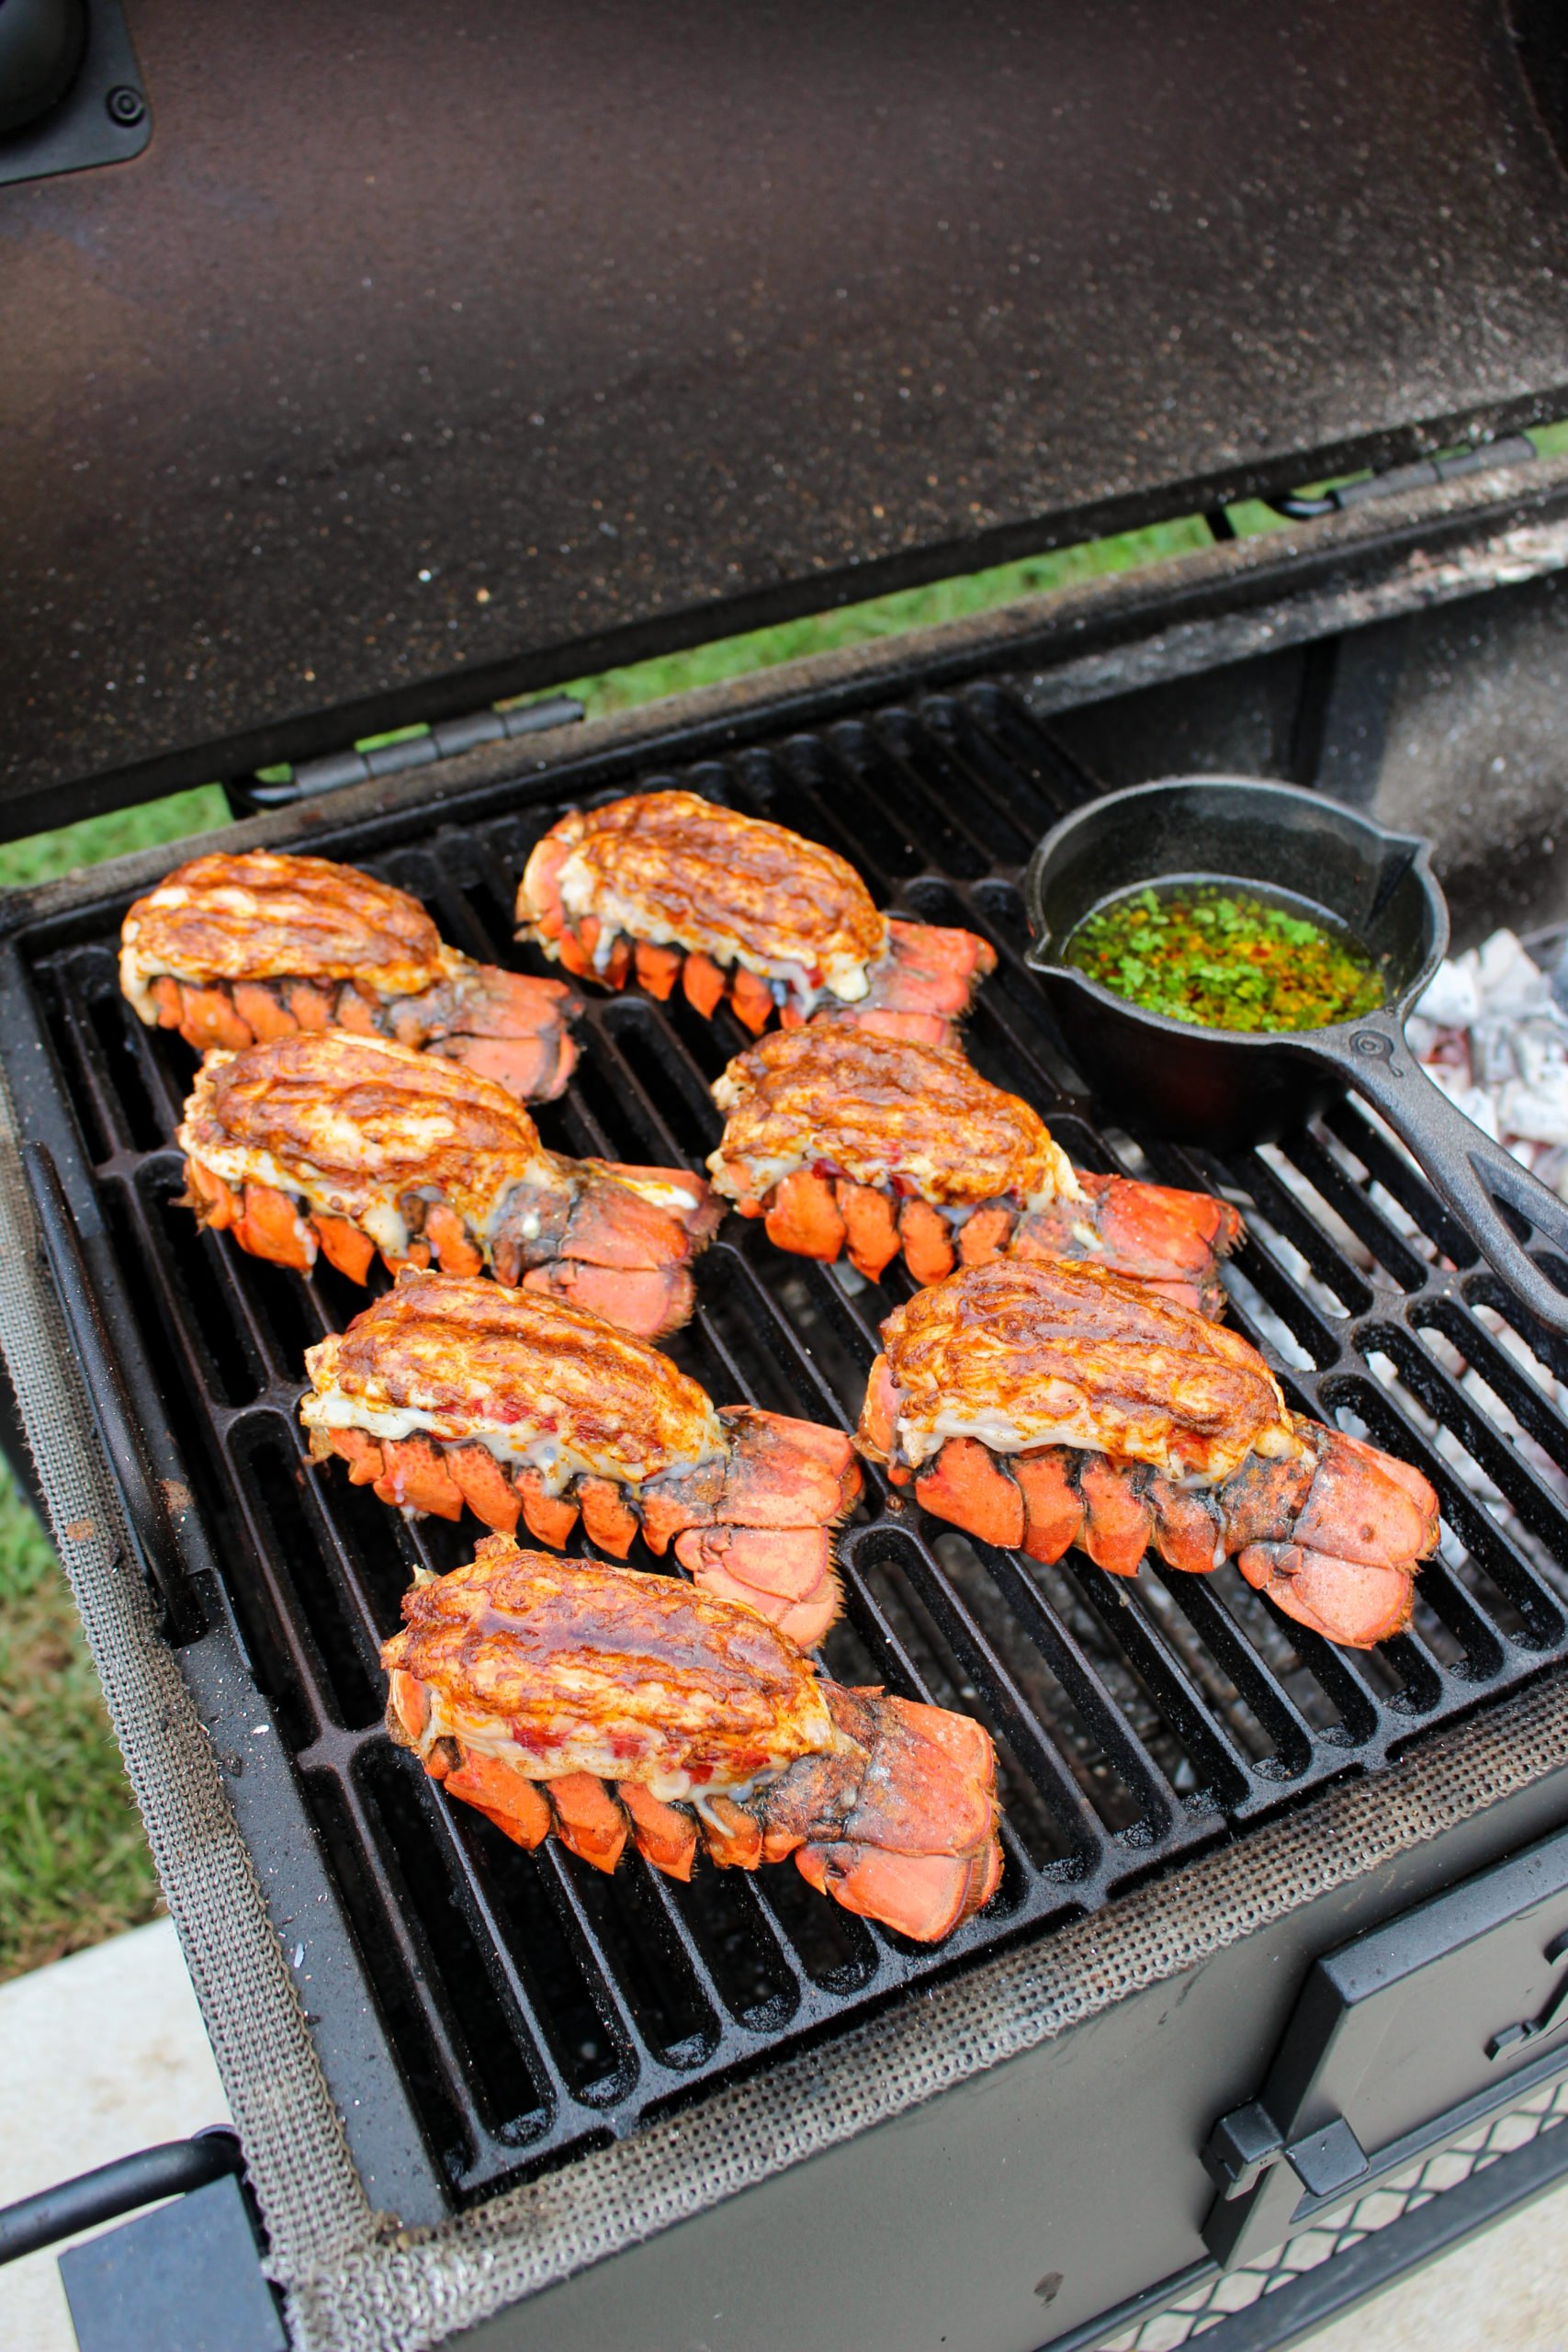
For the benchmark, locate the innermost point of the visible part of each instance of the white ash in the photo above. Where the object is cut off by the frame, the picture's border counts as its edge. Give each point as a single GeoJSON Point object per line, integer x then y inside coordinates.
{"type": "Point", "coordinates": [1491, 1032]}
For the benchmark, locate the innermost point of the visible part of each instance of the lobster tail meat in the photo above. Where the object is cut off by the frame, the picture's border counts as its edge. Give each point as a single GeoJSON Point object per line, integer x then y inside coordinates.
{"type": "Point", "coordinates": [448, 1393]}
{"type": "Point", "coordinates": [925, 982]}
{"type": "Point", "coordinates": [238, 950]}
{"type": "Point", "coordinates": [1350, 1601]}
{"type": "Point", "coordinates": [853, 1143]}
{"type": "Point", "coordinates": [613, 1709]}
{"type": "Point", "coordinates": [1171, 1242]}
{"type": "Point", "coordinates": [1043, 1404]}
{"type": "Point", "coordinates": [677, 890]}
{"type": "Point", "coordinates": [349, 1146]}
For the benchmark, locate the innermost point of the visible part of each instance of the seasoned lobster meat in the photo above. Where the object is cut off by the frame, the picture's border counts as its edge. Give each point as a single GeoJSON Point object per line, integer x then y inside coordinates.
{"type": "Point", "coordinates": [236, 950]}
{"type": "Point", "coordinates": [1042, 1406]}
{"type": "Point", "coordinates": [348, 1146]}
{"type": "Point", "coordinates": [850, 1143]}
{"type": "Point", "coordinates": [672, 888]}
{"type": "Point", "coordinates": [616, 1709]}
{"type": "Point", "coordinates": [446, 1392]}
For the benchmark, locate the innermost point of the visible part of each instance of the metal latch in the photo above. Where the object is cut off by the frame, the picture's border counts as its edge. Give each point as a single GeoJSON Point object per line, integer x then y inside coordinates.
{"type": "Point", "coordinates": [1398, 2042]}
{"type": "Point", "coordinates": [1245, 2143]}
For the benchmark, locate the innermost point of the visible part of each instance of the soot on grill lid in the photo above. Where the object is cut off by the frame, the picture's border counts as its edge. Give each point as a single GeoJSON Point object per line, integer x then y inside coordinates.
{"type": "Point", "coordinates": [477, 349]}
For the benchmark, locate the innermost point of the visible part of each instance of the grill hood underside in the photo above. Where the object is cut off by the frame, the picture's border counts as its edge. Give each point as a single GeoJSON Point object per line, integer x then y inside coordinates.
{"type": "Point", "coordinates": [426, 356]}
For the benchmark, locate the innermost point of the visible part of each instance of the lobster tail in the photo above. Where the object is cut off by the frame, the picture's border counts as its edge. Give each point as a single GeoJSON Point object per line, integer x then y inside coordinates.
{"type": "Point", "coordinates": [1199, 1461]}
{"type": "Point", "coordinates": [636, 1710]}
{"type": "Point", "coordinates": [748, 1500]}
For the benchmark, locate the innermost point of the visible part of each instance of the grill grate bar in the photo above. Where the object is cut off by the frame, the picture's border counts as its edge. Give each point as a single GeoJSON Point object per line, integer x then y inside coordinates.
{"type": "Point", "coordinates": [401, 1923]}
{"type": "Point", "coordinates": [1387, 1165]}
{"type": "Point", "coordinates": [1330, 1180]}
{"type": "Point", "coordinates": [1006, 1711]}
{"type": "Point", "coordinates": [1153, 1657]}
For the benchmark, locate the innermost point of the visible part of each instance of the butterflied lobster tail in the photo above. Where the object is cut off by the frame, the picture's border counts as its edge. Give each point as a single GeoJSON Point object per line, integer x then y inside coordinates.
{"type": "Point", "coordinates": [445, 1393]}
{"type": "Point", "coordinates": [237, 951]}
{"type": "Point", "coordinates": [676, 891]}
{"type": "Point", "coordinates": [1041, 1407]}
{"type": "Point", "coordinates": [613, 1709]}
{"type": "Point", "coordinates": [347, 1146]}
{"type": "Point", "coordinates": [852, 1144]}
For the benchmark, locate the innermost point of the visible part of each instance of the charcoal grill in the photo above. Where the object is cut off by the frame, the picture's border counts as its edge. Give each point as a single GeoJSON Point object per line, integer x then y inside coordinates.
{"type": "Point", "coordinates": [626, 2111]}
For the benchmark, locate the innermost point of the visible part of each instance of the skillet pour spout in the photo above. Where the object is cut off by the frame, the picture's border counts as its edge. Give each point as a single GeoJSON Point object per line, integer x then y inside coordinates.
{"type": "Point", "coordinates": [1225, 1088]}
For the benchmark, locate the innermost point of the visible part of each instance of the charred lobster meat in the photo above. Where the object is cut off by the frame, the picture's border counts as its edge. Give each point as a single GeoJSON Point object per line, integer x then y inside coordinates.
{"type": "Point", "coordinates": [854, 1144]}
{"type": "Point", "coordinates": [611, 1709]}
{"type": "Point", "coordinates": [678, 890]}
{"type": "Point", "coordinates": [349, 1146]}
{"type": "Point", "coordinates": [1043, 1406]}
{"type": "Point", "coordinates": [445, 1393]}
{"type": "Point", "coordinates": [236, 950]}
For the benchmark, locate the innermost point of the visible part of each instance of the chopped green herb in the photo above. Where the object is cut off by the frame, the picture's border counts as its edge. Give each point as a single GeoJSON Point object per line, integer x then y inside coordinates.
{"type": "Point", "coordinates": [1224, 958]}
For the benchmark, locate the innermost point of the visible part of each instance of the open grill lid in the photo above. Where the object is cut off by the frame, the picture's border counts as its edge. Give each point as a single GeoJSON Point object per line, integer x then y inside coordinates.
{"type": "Point", "coordinates": [425, 355]}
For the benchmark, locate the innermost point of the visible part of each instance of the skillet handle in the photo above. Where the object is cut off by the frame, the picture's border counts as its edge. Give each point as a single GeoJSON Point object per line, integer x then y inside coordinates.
{"type": "Point", "coordinates": [1469, 1171]}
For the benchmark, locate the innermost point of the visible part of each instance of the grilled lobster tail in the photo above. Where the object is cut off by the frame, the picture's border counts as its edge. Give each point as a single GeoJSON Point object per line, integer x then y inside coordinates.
{"type": "Point", "coordinates": [348, 1146]}
{"type": "Point", "coordinates": [678, 890]}
{"type": "Point", "coordinates": [610, 1708]}
{"type": "Point", "coordinates": [1042, 1407]}
{"type": "Point", "coordinates": [850, 1143]}
{"type": "Point", "coordinates": [524, 1409]}
{"type": "Point", "coordinates": [237, 951]}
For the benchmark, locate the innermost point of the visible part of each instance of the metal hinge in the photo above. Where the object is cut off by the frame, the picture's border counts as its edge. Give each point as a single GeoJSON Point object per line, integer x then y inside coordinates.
{"type": "Point", "coordinates": [442, 741]}
{"type": "Point", "coordinates": [1512, 449]}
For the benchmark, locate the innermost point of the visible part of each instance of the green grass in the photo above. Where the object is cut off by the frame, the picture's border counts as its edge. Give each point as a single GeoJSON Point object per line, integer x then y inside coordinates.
{"type": "Point", "coordinates": [70, 849]}
{"type": "Point", "coordinates": [73, 1865]}
{"type": "Point", "coordinates": [884, 616]}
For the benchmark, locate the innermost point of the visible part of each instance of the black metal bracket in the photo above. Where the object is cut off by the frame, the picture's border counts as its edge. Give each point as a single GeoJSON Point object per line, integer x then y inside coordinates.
{"type": "Point", "coordinates": [1555, 2013]}
{"type": "Point", "coordinates": [1363, 2016]}
{"type": "Point", "coordinates": [1247, 2145]}
{"type": "Point", "coordinates": [186, 2277]}
{"type": "Point", "coordinates": [171, 2169]}
{"type": "Point", "coordinates": [442, 741]}
{"type": "Point", "coordinates": [102, 118]}
{"type": "Point", "coordinates": [180, 2280]}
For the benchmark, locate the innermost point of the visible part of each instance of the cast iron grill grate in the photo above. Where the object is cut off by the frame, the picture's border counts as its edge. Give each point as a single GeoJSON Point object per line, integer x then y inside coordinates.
{"type": "Point", "coordinates": [535, 2006]}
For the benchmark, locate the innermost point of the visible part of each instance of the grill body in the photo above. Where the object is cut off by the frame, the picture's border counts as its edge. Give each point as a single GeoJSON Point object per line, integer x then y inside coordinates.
{"type": "Point", "coordinates": [1037, 2204]}
{"type": "Point", "coordinates": [489, 2022]}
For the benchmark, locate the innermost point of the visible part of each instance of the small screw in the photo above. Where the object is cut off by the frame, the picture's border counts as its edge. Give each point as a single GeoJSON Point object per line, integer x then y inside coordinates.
{"type": "Point", "coordinates": [125, 105]}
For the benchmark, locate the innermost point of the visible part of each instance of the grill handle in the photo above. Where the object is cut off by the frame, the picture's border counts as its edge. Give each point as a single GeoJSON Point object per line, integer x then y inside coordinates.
{"type": "Point", "coordinates": [1477, 1179]}
{"type": "Point", "coordinates": [112, 1410]}
{"type": "Point", "coordinates": [152, 2174]}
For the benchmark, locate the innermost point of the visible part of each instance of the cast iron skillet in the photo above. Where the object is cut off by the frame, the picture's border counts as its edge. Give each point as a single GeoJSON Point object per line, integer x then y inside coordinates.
{"type": "Point", "coordinates": [1225, 1087]}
